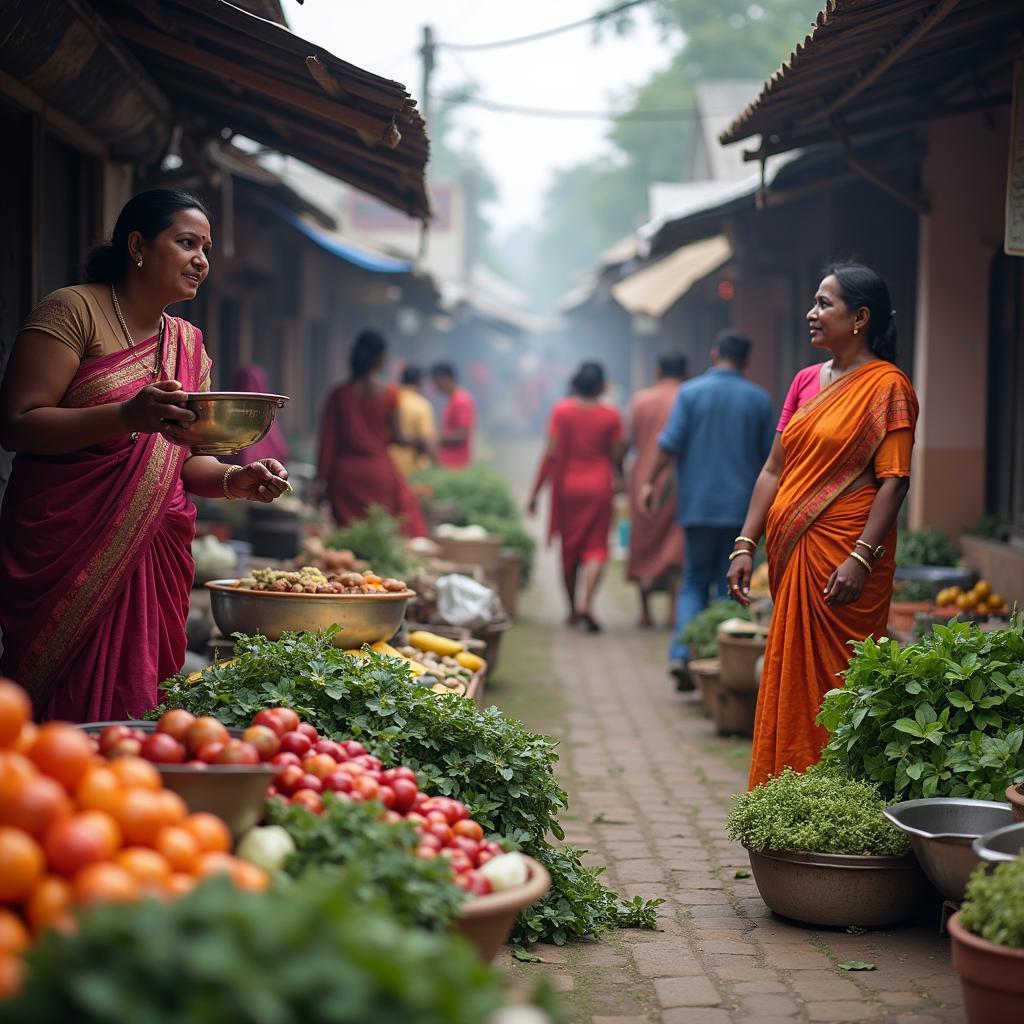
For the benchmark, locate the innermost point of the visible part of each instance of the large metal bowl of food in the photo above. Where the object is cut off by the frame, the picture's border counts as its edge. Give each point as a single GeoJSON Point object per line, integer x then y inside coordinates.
{"type": "Point", "coordinates": [226, 421]}
{"type": "Point", "coordinates": [362, 618]}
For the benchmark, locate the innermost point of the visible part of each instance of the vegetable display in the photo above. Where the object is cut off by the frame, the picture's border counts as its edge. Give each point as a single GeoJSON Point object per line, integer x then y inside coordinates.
{"type": "Point", "coordinates": [501, 771]}
{"type": "Point", "coordinates": [310, 580]}
{"type": "Point", "coordinates": [994, 904]}
{"type": "Point", "coordinates": [377, 539]}
{"type": "Point", "coordinates": [943, 717]}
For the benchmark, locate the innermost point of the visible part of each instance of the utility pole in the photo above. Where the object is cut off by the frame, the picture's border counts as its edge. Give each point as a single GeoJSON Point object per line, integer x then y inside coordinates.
{"type": "Point", "coordinates": [427, 51]}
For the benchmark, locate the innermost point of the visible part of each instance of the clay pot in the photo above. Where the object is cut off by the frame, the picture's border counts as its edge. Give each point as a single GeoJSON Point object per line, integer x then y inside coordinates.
{"type": "Point", "coordinates": [738, 655]}
{"type": "Point", "coordinates": [487, 920]}
{"type": "Point", "coordinates": [1015, 798]}
{"type": "Point", "coordinates": [903, 615]}
{"type": "Point", "coordinates": [839, 890]}
{"type": "Point", "coordinates": [991, 976]}
{"type": "Point", "coordinates": [734, 709]}
{"type": "Point", "coordinates": [705, 673]}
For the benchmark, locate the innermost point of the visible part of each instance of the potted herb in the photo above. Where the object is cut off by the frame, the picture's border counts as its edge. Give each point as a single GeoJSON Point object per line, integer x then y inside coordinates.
{"type": "Point", "coordinates": [823, 853]}
{"type": "Point", "coordinates": [988, 944]}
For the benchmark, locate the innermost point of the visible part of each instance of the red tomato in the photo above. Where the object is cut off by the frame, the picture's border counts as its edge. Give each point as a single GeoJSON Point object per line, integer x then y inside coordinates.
{"type": "Point", "coordinates": [126, 746]}
{"type": "Point", "coordinates": [308, 798]}
{"type": "Point", "coordinates": [431, 842]}
{"type": "Point", "coordinates": [296, 743]}
{"type": "Point", "coordinates": [196, 763]}
{"type": "Point", "coordinates": [205, 730]}
{"type": "Point", "coordinates": [287, 780]}
{"type": "Point", "coordinates": [351, 768]}
{"type": "Point", "coordinates": [405, 793]}
{"type": "Point", "coordinates": [415, 818]}
{"type": "Point", "coordinates": [34, 804]}
{"type": "Point", "coordinates": [285, 758]}
{"type": "Point", "coordinates": [437, 816]}
{"type": "Point", "coordinates": [308, 731]}
{"type": "Point", "coordinates": [483, 857]}
{"type": "Point", "coordinates": [401, 772]}
{"type": "Point", "coordinates": [85, 838]}
{"type": "Point", "coordinates": [391, 817]}
{"type": "Point", "coordinates": [238, 752]}
{"type": "Point", "coordinates": [311, 782]}
{"type": "Point", "coordinates": [365, 787]}
{"type": "Point", "coordinates": [367, 762]}
{"type": "Point", "coordinates": [176, 723]}
{"type": "Point", "coordinates": [264, 739]}
{"type": "Point", "coordinates": [320, 765]}
{"type": "Point", "coordinates": [209, 752]}
{"type": "Point", "coordinates": [421, 799]}
{"type": "Point", "coordinates": [459, 861]}
{"type": "Point", "coordinates": [338, 782]}
{"type": "Point", "coordinates": [474, 882]}
{"type": "Point", "coordinates": [354, 748]}
{"type": "Point", "coordinates": [331, 749]}
{"type": "Point", "coordinates": [425, 852]}
{"type": "Point", "coordinates": [469, 828]}
{"type": "Point", "coordinates": [272, 719]}
{"type": "Point", "coordinates": [456, 811]}
{"type": "Point", "coordinates": [442, 831]}
{"type": "Point", "coordinates": [386, 796]}
{"type": "Point", "coordinates": [111, 734]}
{"type": "Point", "coordinates": [163, 748]}
{"type": "Point", "coordinates": [470, 847]}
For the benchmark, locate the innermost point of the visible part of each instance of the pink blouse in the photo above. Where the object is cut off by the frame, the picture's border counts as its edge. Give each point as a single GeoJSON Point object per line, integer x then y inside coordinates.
{"type": "Point", "coordinates": [806, 384]}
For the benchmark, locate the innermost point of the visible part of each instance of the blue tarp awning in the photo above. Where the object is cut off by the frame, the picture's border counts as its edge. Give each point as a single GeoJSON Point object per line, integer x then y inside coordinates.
{"type": "Point", "coordinates": [344, 250]}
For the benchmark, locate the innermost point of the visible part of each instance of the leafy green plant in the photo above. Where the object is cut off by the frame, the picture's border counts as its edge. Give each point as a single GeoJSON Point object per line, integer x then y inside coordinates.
{"type": "Point", "coordinates": [819, 811]}
{"type": "Point", "coordinates": [377, 857]}
{"type": "Point", "coordinates": [991, 527]}
{"type": "Point", "coordinates": [925, 547]}
{"type": "Point", "coordinates": [503, 772]}
{"type": "Point", "coordinates": [943, 717]}
{"type": "Point", "coordinates": [994, 904]}
{"type": "Point", "coordinates": [377, 539]}
{"type": "Point", "coordinates": [313, 952]}
{"type": "Point", "coordinates": [700, 634]}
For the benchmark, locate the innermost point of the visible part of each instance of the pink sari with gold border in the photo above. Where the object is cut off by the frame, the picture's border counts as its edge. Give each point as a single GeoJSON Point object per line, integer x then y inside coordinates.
{"type": "Point", "coordinates": [95, 551]}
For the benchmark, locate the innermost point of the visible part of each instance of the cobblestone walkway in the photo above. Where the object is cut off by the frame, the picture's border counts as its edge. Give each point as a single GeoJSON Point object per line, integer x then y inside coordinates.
{"type": "Point", "coordinates": [650, 786]}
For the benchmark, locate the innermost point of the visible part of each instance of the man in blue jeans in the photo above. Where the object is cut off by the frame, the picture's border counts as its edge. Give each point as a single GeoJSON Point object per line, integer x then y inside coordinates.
{"type": "Point", "coordinates": [719, 433]}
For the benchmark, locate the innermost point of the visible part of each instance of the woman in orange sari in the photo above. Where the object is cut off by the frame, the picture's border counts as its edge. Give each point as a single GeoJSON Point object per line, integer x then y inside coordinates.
{"type": "Point", "coordinates": [96, 527]}
{"type": "Point", "coordinates": [827, 501]}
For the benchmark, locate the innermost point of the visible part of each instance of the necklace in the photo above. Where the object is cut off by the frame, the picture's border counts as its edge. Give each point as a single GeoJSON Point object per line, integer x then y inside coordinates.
{"type": "Point", "coordinates": [131, 343]}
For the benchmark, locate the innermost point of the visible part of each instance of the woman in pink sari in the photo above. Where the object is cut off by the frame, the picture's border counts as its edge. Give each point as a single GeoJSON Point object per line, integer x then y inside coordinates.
{"type": "Point", "coordinates": [96, 528]}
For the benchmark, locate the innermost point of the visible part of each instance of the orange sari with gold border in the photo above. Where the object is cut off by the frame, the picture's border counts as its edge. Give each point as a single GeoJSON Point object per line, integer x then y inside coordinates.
{"type": "Point", "coordinates": [812, 527]}
{"type": "Point", "coordinates": [95, 551]}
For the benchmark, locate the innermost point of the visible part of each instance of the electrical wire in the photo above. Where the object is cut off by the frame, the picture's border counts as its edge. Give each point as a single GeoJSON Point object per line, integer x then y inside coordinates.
{"type": "Point", "coordinates": [592, 115]}
{"type": "Point", "coordinates": [594, 19]}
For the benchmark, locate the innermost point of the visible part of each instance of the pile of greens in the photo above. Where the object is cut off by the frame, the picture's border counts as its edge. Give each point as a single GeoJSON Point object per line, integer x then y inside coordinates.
{"type": "Point", "coordinates": [820, 811]}
{"type": "Point", "coordinates": [314, 951]}
{"type": "Point", "coordinates": [377, 539]}
{"type": "Point", "coordinates": [943, 717]}
{"type": "Point", "coordinates": [377, 858]}
{"type": "Point", "coordinates": [994, 904]}
{"type": "Point", "coordinates": [502, 772]}
{"type": "Point", "coordinates": [700, 634]}
{"type": "Point", "coordinates": [925, 547]}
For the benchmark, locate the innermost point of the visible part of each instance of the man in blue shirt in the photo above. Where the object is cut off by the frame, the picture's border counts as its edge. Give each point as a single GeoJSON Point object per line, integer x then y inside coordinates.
{"type": "Point", "coordinates": [719, 433]}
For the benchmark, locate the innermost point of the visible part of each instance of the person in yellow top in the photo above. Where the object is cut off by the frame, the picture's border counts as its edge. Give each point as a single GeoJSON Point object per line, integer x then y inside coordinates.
{"type": "Point", "coordinates": [416, 424]}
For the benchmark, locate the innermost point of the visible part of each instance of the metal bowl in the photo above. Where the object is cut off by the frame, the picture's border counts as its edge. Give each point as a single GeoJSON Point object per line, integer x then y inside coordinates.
{"type": "Point", "coordinates": [1005, 843]}
{"type": "Point", "coordinates": [363, 618]}
{"type": "Point", "coordinates": [226, 421]}
{"type": "Point", "coordinates": [941, 831]}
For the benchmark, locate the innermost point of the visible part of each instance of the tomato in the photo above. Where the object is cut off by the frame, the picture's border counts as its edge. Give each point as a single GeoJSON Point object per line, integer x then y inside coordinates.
{"type": "Point", "coordinates": [248, 877]}
{"type": "Point", "coordinates": [148, 867]}
{"type": "Point", "coordinates": [320, 765]}
{"type": "Point", "coordinates": [264, 739]}
{"type": "Point", "coordinates": [421, 799]}
{"type": "Point", "coordinates": [354, 748]}
{"type": "Point", "coordinates": [459, 861]}
{"type": "Point", "coordinates": [12, 975]}
{"type": "Point", "coordinates": [209, 752]}
{"type": "Point", "coordinates": [181, 884]}
{"type": "Point", "coordinates": [470, 847]}
{"type": "Point", "coordinates": [238, 752]}
{"type": "Point", "coordinates": [35, 804]}
{"type": "Point", "coordinates": [179, 847]}
{"type": "Point", "coordinates": [288, 719]}
{"type": "Point", "coordinates": [308, 731]}
{"type": "Point", "coordinates": [365, 787]}
{"type": "Point", "coordinates": [431, 842]}
{"type": "Point", "coordinates": [367, 762]}
{"type": "Point", "coordinates": [453, 810]}
{"type": "Point", "coordinates": [386, 796]}
{"type": "Point", "coordinates": [310, 782]}
{"type": "Point", "coordinates": [176, 723]}
{"type": "Point", "coordinates": [401, 772]}
{"type": "Point", "coordinates": [214, 863]}
{"type": "Point", "coordinates": [416, 818]}
{"type": "Point", "coordinates": [25, 739]}
{"type": "Point", "coordinates": [15, 768]}
{"type": "Point", "coordinates": [212, 832]}
{"type": "Point", "coordinates": [173, 809]}
{"type": "Point", "coordinates": [85, 838]}
{"type": "Point", "coordinates": [62, 752]}
{"type": "Point", "coordinates": [474, 882]}
{"type": "Point", "coordinates": [391, 817]}
{"type": "Point", "coordinates": [331, 749]}
{"type": "Point", "coordinates": [105, 883]}
{"type": "Point", "coordinates": [456, 811]}
{"type": "Point", "coordinates": [483, 857]}
{"type": "Point", "coordinates": [287, 780]}
{"type": "Point", "coordinates": [271, 719]}
{"type": "Point", "coordinates": [438, 816]}
{"type": "Point", "coordinates": [425, 852]}
{"type": "Point", "coordinates": [443, 832]}
{"type": "Point", "coordinates": [136, 771]}
{"type": "Point", "coordinates": [296, 743]}
{"type": "Point", "coordinates": [469, 828]}
{"type": "Point", "coordinates": [285, 758]}
{"type": "Point", "coordinates": [351, 768]}
{"type": "Point", "coordinates": [14, 937]}
{"type": "Point", "coordinates": [405, 793]}
{"type": "Point", "coordinates": [308, 798]}
{"type": "Point", "coordinates": [487, 846]}
{"type": "Point", "coordinates": [205, 730]}
{"type": "Point", "coordinates": [50, 901]}
{"type": "Point", "coordinates": [197, 764]}
{"type": "Point", "coordinates": [127, 746]}
{"type": "Point", "coordinates": [111, 734]}
{"type": "Point", "coordinates": [141, 814]}
{"type": "Point", "coordinates": [163, 748]}
{"type": "Point", "coordinates": [98, 789]}
{"type": "Point", "coordinates": [338, 782]}
{"type": "Point", "coordinates": [15, 711]}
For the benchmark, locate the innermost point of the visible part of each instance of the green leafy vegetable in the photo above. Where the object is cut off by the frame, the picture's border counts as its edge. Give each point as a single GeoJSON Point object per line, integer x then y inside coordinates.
{"type": "Point", "coordinates": [994, 904]}
{"type": "Point", "coordinates": [525, 957]}
{"type": "Point", "coordinates": [377, 539]}
{"type": "Point", "coordinates": [856, 965]}
{"type": "Point", "coordinates": [943, 717]}
{"type": "Point", "coordinates": [925, 547]}
{"type": "Point", "coordinates": [820, 811]}
{"type": "Point", "coordinates": [700, 634]}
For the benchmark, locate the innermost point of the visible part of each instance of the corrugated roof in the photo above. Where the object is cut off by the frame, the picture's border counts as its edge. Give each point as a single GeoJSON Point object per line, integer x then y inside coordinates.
{"type": "Point", "coordinates": [878, 64]}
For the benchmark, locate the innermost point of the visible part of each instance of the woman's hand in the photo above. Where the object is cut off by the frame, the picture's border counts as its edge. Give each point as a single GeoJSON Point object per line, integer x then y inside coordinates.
{"type": "Point", "coordinates": [151, 408]}
{"type": "Point", "coordinates": [259, 481]}
{"type": "Point", "coordinates": [846, 583]}
{"type": "Point", "coordinates": [740, 569]}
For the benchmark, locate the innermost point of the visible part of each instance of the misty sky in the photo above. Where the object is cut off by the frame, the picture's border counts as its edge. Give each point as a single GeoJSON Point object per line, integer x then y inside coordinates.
{"type": "Point", "coordinates": [568, 71]}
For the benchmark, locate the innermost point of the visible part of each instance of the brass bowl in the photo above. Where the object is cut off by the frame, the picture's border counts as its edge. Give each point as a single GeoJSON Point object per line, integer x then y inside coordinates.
{"type": "Point", "coordinates": [363, 618]}
{"type": "Point", "coordinates": [226, 421]}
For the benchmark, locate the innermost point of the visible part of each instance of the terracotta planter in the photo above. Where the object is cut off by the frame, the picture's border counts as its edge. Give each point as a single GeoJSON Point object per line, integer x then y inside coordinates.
{"type": "Point", "coordinates": [991, 976]}
{"type": "Point", "coordinates": [738, 656]}
{"type": "Point", "coordinates": [487, 920]}
{"type": "Point", "coordinates": [507, 576]}
{"type": "Point", "coordinates": [484, 553]}
{"type": "Point", "coordinates": [903, 614]}
{"type": "Point", "coordinates": [837, 890]}
{"type": "Point", "coordinates": [733, 710]}
{"type": "Point", "coordinates": [1015, 798]}
{"type": "Point", "coordinates": [705, 673]}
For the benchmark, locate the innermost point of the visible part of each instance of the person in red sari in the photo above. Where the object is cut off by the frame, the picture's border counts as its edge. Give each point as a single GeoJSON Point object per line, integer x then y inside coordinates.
{"type": "Point", "coordinates": [96, 527]}
{"type": "Point", "coordinates": [655, 539]}
{"type": "Point", "coordinates": [360, 421]}
{"type": "Point", "coordinates": [582, 461]}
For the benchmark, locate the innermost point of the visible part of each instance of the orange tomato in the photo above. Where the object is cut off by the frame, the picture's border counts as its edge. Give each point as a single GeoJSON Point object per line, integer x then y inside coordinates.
{"type": "Point", "coordinates": [140, 814]}
{"type": "Point", "coordinates": [179, 848]}
{"type": "Point", "coordinates": [98, 789]}
{"type": "Point", "coordinates": [214, 863]}
{"type": "Point", "coordinates": [136, 772]}
{"type": "Point", "coordinates": [181, 884]}
{"type": "Point", "coordinates": [173, 809]}
{"type": "Point", "coordinates": [85, 838]}
{"type": "Point", "coordinates": [14, 935]}
{"type": "Point", "coordinates": [15, 768]}
{"type": "Point", "coordinates": [211, 832]}
{"type": "Point", "coordinates": [147, 866]}
{"type": "Point", "coordinates": [12, 974]}
{"type": "Point", "coordinates": [62, 752]}
{"type": "Point", "coordinates": [105, 883]}
{"type": "Point", "coordinates": [248, 877]}
{"type": "Point", "coordinates": [50, 902]}
{"type": "Point", "coordinates": [25, 739]}
{"type": "Point", "coordinates": [176, 723]}
{"type": "Point", "coordinates": [21, 864]}
{"type": "Point", "coordinates": [35, 804]}
{"type": "Point", "coordinates": [15, 711]}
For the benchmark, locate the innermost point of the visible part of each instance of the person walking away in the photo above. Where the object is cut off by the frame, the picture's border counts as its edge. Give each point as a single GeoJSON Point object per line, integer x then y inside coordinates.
{"type": "Point", "coordinates": [719, 433]}
{"type": "Point", "coordinates": [582, 461]}
{"type": "Point", "coordinates": [656, 540]}
{"type": "Point", "coordinates": [360, 421]}
{"type": "Point", "coordinates": [827, 501]}
{"type": "Point", "coordinates": [96, 525]}
{"type": "Point", "coordinates": [417, 426]}
{"type": "Point", "coordinates": [253, 378]}
{"type": "Point", "coordinates": [455, 447]}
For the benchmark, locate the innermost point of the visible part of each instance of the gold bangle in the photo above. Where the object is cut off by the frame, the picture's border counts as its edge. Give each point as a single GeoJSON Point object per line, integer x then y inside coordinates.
{"type": "Point", "coordinates": [748, 540]}
{"type": "Point", "coordinates": [224, 482]}
{"type": "Point", "coordinates": [863, 561]}
{"type": "Point", "coordinates": [736, 554]}
{"type": "Point", "coordinates": [864, 544]}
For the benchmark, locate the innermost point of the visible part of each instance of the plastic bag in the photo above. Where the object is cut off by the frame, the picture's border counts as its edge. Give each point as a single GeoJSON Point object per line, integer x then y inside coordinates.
{"type": "Point", "coordinates": [461, 601]}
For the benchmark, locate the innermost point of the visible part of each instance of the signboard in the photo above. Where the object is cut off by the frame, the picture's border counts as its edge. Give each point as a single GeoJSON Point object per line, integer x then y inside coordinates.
{"type": "Point", "coordinates": [1013, 242]}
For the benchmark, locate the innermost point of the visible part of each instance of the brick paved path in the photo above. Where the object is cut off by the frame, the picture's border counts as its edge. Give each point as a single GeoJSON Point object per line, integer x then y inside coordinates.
{"type": "Point", "coordinates": [650, 785]}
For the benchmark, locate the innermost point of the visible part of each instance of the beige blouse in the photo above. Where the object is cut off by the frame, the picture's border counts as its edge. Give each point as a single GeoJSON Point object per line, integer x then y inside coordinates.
{"type": "Point", "coordinates": [76, 317]}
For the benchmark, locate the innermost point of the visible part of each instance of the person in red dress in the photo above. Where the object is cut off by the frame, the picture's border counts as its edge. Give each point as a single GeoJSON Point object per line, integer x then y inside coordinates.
{"type": "Point", "coordinates": [360, 420]}
{"type": "Point", "coordinates": [583, 460]}
{"type": "Point", "coordinates": [454, 448]}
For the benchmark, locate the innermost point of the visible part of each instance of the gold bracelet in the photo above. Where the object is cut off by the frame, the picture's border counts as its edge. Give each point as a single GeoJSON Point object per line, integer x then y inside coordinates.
{"type": "Point", "coordinates": [864, 544]}
{"type": "Point", "coordinates": [224, 482]}
{"type": "Point", "coordinates": [748, 540]}
{"type": "Point", "coordinates": [742, 551]}
{"type": "Point", "coordinates": [863, 561]}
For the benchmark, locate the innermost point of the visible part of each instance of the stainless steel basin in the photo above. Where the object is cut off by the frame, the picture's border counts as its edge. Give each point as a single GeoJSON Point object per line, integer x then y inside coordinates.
{"type": "Point", "coordinates": [941, 831]}
{"type": "Point", "coordinates": [1003, 844]}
